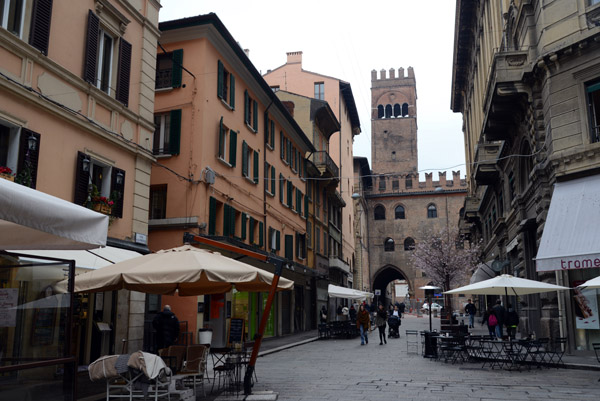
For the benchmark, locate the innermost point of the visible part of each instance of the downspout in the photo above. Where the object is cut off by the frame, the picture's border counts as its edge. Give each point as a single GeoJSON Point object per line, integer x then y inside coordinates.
{"type": "Point", "coordinates": [264, 175]}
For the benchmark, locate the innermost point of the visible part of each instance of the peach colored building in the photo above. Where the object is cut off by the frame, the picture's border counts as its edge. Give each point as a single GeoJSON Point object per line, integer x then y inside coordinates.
{"type": "Point", "coordinates": [76, 118]}
{"type": "Point", "coordinates": [230, 168]}
{"type": "Point", "coordinates": [292, 77]}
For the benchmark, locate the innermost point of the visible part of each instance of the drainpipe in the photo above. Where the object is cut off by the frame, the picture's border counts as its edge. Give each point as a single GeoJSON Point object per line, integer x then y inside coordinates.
{"type": "Point", "coordinates": [264, 182]}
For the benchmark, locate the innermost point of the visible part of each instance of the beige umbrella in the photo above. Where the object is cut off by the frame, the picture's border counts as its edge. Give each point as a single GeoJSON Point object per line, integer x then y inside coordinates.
{"type": "Point", "coordinates": [592, 283]}
{"type": "Point", "coordinates": [501, 285]}
{"type": "Point", "coordinates": [189, 270]}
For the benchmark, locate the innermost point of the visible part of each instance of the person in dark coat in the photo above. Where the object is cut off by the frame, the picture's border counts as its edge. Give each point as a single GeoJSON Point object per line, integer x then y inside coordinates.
{"type": "Point", "coordinates": [166, 325]}
{"type": "Point", "coordinates": [363, 322]}
{"type": "Point", "coordinates": [352, 313]}
{"type": "Point", "coordinates": [380, 322]}
{"type": "Point", "coordinates": [323, 314]}
{"type": "Point", "coordinates": [512, 321]}
{"type": "Point", "coordinates": [491, 323]}
{"type": "Point", "coordinates": [470, 310]}
{"type": "Point", "coordinates": [500, 313]}
{"type": "Point", "coordinates": [402, 308]}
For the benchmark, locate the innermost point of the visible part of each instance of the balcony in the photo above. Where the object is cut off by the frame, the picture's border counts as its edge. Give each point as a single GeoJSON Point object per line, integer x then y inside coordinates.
{"type": "Point", "coordinates": [471, 209]}
{"type": "Point", "coordinates": [486, 157]}
{"type": "Point", "coordinates": [325, 164]}
{"type": "Point", "coordinates": [335, 263]}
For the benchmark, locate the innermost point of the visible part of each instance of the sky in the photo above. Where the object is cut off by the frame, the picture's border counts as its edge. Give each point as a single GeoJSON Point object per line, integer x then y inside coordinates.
{"type": "Point", "coordinates": [347, 39]}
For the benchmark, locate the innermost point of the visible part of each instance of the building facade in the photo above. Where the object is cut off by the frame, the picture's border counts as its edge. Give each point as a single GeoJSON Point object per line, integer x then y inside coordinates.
{"type": "Point", "coordinates": [76, 117]}
{"type": "Point", "coordinates": [230, 169]}
{"type": "Point", "coordinates": [525, 78]}
{"type": "Point", "coordinates": [401, 209]}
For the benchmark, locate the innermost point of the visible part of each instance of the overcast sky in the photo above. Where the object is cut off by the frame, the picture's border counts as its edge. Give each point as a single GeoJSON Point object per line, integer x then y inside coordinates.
{"type": "Point", "coordinates": [346, 39]}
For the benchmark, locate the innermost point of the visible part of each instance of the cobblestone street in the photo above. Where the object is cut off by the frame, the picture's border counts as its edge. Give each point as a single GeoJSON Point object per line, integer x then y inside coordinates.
{"type": "Point", "coordinates": [344, 370]}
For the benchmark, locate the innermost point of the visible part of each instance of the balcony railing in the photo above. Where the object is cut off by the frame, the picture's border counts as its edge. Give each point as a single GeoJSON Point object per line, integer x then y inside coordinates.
{"type": "Point", "coordinates": [325, 163]}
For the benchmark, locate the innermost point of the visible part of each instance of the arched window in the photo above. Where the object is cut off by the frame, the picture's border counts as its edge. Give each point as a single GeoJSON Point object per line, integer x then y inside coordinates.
{"type": "Point", "coordinates": [388, 111]}
{"type": "Point", "coordinates": [379, 213]}
{"type": "Point", "coordinates": [388, 245]}
{"type": "Point", "coordinates": [399, 212]}
{"type": "Point", "coordinates": [397, 111]}
{"type": "Point", "coordinates": [380, 111]}
{"type": "Point", "coordinates": [431, 211]}
{"type": "Point", "coordinates": [409, 244]}
{"type": "Point", "coordinates": [405, 110]}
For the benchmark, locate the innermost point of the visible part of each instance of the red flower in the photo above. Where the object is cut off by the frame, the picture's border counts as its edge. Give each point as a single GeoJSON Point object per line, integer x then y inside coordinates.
{"type": "Point", "coordinates": [5, 170]}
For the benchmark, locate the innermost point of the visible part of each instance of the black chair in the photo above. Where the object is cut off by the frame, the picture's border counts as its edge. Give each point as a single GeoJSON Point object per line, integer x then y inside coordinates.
{"type": "Point", "coordinates": [555, 354]}
{"type": "Point", "coordinates": [324, 331]}
{"type": "Point", "coordinates": [597, 352]}
{"type": "Point", "coordinates": [539, 350]}
{"type": "Point", "coordinates": [412, 340]}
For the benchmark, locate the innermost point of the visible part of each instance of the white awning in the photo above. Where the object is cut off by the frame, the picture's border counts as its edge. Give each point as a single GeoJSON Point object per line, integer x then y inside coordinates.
{"type": "Point", "coordinates": [572, 229]}
{"type": "Point", "coordinates": [31, 219]}
{"type": "Point", "coordinates": [483, 272]}
{"type": "Point", "coordinates": [87, 259]}
{"type": "Point", "coordinates": [349, 293]}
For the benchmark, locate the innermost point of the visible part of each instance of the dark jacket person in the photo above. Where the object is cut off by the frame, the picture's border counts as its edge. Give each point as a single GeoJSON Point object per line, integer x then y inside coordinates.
{"type": "Point", "coordinates": [167, 328]}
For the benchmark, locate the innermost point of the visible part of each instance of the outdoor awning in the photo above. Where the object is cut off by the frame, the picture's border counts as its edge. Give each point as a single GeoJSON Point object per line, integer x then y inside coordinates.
{"type": "Point", "coordinates": [483, 272]}
{"type": "Point", "coordinates": [87, 259]}
{"type": "Point", "coordinates": [31, 219]}
{"type": "Point", "coordinates": [572, 229]}
{"type": "Point", "coordinates": [349, 293]}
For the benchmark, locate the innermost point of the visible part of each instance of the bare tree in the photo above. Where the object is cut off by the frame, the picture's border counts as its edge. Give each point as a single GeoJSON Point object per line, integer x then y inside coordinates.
{"type": "Point", "coordinates": [445, 259]}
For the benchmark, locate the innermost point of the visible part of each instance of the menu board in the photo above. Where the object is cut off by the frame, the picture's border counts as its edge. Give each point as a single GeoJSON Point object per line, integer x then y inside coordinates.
{"type": "Point", "coordinates": [236, 331]}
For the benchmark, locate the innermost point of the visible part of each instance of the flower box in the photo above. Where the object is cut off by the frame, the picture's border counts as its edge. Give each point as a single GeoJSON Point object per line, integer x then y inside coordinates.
{"type": "Point", "coordinates": [8, 177]}
{"type": "Point", "coordinates": [102, 208]}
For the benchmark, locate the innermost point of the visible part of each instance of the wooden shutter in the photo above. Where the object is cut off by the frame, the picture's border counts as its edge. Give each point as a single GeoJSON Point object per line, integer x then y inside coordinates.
{"type": "Point", "coordinates": [281, 189]}
{"type": "Point", "coordinates": [91, 48]}
{"type": "Point", "coordinates": [82, 180]}
{"type": "Point", "coordinates": [261, 234]}
{"type": "Point", "coordinates": [306, 206]}
{"type": "Point", "coordinates": [273, 180]}
{"type": "Point", "coordinates": [226, 220]}
{"type": "Point", "coordinates": [281, 146]}
{"type": "Point", "coordinates": [267, 125]}
{"type": "Point", "coordinates": [212, 216]}
{"type": "Point", "coordinates": [175, 132]}
{"type": "Point", "coordinates": [220, 139]}
{"type": "Point", "coordinates": [220, 79]}
{"type": "Point", "coordinates": [232, 147]}
{"type": "Point", "coordinates": [244, 224]}
{"type": "Point", "coordinates": [255, 115]}
{"type": "Point", "coordinates": [232, 91]}
{"type": "Point", "coordinates": [41, 17]}
{"type": "Point", "coordinates": [251, 228]}
{"type": "Point", "coordinates": [277, 240]}
{"type": "Point", "coordinates": [246, 108]}
{"type": "Point", "coordinates": [289, 247]}
{"type": "Point", "coordinates": [298, 201]}
{"type": "Point", "coordinates": [28, 159]}
{"type": "Point", "coordinates": [290, 194]}
{"type": "Point", "coordinates": [177, 69]}
{"type": "Point", "coordinates": [256, 170]}
{"type": "Point", "coordinates": [117, 191]}
{"type": "Point", "coordinates": [270, 237]}
{"type": "Point", "coordinates": [232, 221]}
{"type": "Point", "coordinates": [123, 72]}
{"type": "Point", "coordinates": [244, 159]}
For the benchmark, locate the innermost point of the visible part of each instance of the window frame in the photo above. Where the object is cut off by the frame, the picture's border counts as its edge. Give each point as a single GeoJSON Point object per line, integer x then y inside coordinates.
{"type": "Point", "coordinates": [380, 216]}
{"type": "Point", "coordinates": [432, 211]}
{"type": "Point", "coordinates": [403, 213]}
{"type": "Point", "coordinates": [389, 245]}
{"type": "Point", "coordinates": [319, 88]}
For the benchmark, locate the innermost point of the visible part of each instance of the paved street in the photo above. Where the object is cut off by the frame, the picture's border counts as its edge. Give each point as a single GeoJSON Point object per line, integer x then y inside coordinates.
{"type": "Point", "coordinates": [345, 370]}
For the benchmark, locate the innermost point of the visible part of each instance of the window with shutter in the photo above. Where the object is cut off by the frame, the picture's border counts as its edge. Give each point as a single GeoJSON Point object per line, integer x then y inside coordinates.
{"type": "Point", "coordinates": [255, 115]}
{"type": "Point", "coordinates": [261, 234]}
{"type": "Point", "coordinates": [212, 216]}
{"type": "Point", "coordinates": [290, 194]}
{"type": "Point", "coordinates": [244, 225]}
{"type": "Point", "coordinates": [251, 230]}
{"type": "Point", "coordinates": [40, 25]}
{"type": "Point", "coordinates": [232, 91]}
{"type": "Point", "coordinates": [244, 159]}
{"type": "Point", "coordinates": [278, 239]}
{"type": "Point", "coordinates": [225, 85]}
{"type": "Point", "coordinates": [29, 153]}
{"type": "Point", "coordinates": [289, 247]}
{"type": "Point", "coordinates": [281, 187]}
{"type": "Point", "coordinates": [256, 170]}
{"type": "Point", "coordinates": [281, 145]}
{"type": "Point", "coordinates": [306, 206]}
{"type": "Point", "coordinates": [247, 111]}
{"type": "Point", "coordinates": [272, 180]}
{"type": "Point", "coordinates": [226, 220]}
{"type": "Point", "coordinates": [232, 147]}
{"type": "Point", "coordinates": [117, 191]}
{"type": "Point", "coordinates": [175, 132]}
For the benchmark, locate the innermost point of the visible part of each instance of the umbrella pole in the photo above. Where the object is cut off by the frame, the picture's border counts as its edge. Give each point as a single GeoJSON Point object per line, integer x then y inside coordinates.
{"type": "Point", "coordinates": [261, 330]}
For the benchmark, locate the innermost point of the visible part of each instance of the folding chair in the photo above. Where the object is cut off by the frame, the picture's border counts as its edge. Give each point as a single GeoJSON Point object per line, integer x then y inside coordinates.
{"type": "Point", "coordinates": [412, 340]}
{"type": "Point", "coordinates": [539, 350]}
{"type": "Point", "coordinates": [555, 355]}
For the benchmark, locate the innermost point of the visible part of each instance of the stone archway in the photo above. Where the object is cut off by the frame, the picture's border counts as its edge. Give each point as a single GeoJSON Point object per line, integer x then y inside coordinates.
{"type": "Point", "coordinates": [384, 276]}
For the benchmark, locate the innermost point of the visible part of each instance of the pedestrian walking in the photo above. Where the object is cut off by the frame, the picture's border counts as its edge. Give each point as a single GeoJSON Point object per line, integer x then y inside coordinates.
{"type": "Point", "coordinates": [363, 322]}
{"type": "Point", "coordinates": [470, 310]}
{"type": "Point", "coordinates": [166, 325]}
{"type": "Point", "coordinates": [512, 322]}
{"type": "Point", "coordinates": [489, 318]}
{"type": "Point", "coordinates": [402, 308]}
{"type": "Point", "coordinates": [380, 322]}
{"type": "Point", "coordinates": [500, 313]}
{"type": "Point", "coordinates": [323, 314]}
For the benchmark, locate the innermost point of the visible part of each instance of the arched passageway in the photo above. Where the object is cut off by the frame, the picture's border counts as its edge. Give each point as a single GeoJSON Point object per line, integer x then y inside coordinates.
{"type": "Point", "coordinates": [382, 278]}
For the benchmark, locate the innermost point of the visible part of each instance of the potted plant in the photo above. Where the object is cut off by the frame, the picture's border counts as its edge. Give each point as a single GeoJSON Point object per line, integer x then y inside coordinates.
{"type": "Point", "coordinates": [7, 173]}
{"type": "Point", "coordinates": [101, 204]}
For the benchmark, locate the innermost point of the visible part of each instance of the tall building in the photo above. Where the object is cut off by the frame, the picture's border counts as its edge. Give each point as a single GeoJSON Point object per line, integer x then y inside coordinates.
{"type": "Point", "coordinates": [291, 77]}
{"type": "Point", "coordinates": [526, 78]}
{"type": "Point", "coordinates": [401, 209]}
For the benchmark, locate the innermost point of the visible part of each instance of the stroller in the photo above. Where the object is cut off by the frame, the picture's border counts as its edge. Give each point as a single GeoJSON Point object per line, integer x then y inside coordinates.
{"type": "Point", "coordinates": [394, 323]}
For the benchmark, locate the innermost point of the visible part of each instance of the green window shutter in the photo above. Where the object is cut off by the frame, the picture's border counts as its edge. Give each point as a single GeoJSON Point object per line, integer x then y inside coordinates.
{"type": "Point", "coordinates": [232, 222]}
{"type": "Point", "coordinates": [255, 115]}
{"type": "Point", "coordinates": [256, 170]}
{"type": "Point", "coordinates": [244, 224]}
{"type": "Point", "coordinates": [226, 220]}
{"type": "Point", "coordinates": [244, 159]}
{"type": "Point", "coordinates": [175, 132]}
{"type": "Point", "coordinates": [261, 234]}
{"type": "Point", "coordinates": [298, 201]}
{"type": "Point", "coordinates": [273, 180]}
{"type": "Point", "coordinates": [289, 247]}
{"type": "Point", "coordinates": [277, 240]}
{"type": "Point", "coordinates": [267, 125]}
{"type": "Point", "coordinates": [232, 91]}
{"type": "Point", "coordinates": [306, 206]}
{"type": "Point", "coordinates": [290, 193]}
{"type": "Point", "coordinates": [177, 68]}
{"type": "Point", "coordinates": [251, 229]}
{"type": "Point", "coordinates": [281, 189]}
{"type": "Point", "coordinates": [220, 79]}
{"type": "Point", "coordinates": [246, 108]}
{"type": "Point", "coordinates": [221, 133]}
{"type": "Point", "coordinates": [272, 140]}
{"type": "Point", "coordinates": [232, 147]}
{"type": "Point", "coordinates": [212, 215]}
{"type": "Point", "coordinates": [270, 239]}
{"type": "Point", "coordinates": [281, 145]}
{"type": "Point", "coordinates": [289, 152]}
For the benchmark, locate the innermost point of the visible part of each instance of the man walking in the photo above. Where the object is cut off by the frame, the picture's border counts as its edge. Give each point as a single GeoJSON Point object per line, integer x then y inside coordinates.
{"type": "Point", "coordinates": [167, 328]}
{"type": "Point", "coordinates": [500, 313]}
{"type": "Point", "coordinates": [470, 310]}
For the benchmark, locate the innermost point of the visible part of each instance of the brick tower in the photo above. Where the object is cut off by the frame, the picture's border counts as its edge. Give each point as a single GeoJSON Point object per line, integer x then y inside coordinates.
{"type": "Point", "coordinates": [394, 122]}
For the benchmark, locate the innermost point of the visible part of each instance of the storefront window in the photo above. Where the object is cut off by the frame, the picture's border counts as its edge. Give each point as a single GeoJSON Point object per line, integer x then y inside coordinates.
{"type": "Point", "coordinates": [585, 308]}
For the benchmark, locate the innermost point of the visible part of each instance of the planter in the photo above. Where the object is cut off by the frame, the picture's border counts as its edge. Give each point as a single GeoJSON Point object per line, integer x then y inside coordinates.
{"type": "Point", "coordinates": [102, 208]}
{"type": "Point", "coordinates": [8, 177]}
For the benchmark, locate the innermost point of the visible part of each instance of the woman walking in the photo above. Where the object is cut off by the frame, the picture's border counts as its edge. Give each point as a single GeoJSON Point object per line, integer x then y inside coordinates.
{"type": "Point", "coordinates": [363, 322]}
{"type": "Point", "coordinates": [489, 317]}
{"type": "Point", "coordinates": [380, 320]}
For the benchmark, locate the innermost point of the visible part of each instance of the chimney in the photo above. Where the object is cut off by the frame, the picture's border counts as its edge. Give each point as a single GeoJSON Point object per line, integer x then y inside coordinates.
{"type": "Point", "coordinates": [373, 75]}
{"type": "Point", "coordinates": [392, 73]}
{"type": "Point", "coordinates": [442, 175]}
{"type": "Point", "coordinates": [294, 58]}
{"type": "Point", "coordinates": [289, 106]}
{"type": "Point", "coordinates": [247, 51]}
{"type": "Point", "coordinates": [383, 74]}
{"type": "Point", "coordinates": [456, 178]}
{"type": "Point", "coordinates": [411, 72]}
{"type": "Point", "coordinates": [401, 72]}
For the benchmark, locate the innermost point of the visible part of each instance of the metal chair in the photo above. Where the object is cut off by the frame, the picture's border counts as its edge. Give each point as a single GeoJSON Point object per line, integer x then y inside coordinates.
{"type": "Point", "coordinates": [412, 340]}
{"type": "Point", "coordinates": [559, 346]}
{"type": "Point", "coordinates": [539, 350]}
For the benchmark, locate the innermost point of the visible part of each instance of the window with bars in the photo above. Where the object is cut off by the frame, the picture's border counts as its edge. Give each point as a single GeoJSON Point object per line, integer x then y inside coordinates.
{"type": "Point", "coordinates": [158, 202]}
{"type": "Point", "coordinates": [169, 69]}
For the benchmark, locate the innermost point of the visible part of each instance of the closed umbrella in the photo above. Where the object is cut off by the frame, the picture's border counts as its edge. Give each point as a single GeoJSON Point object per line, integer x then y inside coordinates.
{"type": "Point", "coordinates": [349, 293]}
{"type": "Point", "coordinates": [505, 283]}
{"type": "Point", "coordinates": [189, 270]}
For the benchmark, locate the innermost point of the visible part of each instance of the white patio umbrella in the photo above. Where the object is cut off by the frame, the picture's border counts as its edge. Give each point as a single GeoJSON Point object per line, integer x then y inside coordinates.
{"type": "Point", "coordinates": [349, 293]}
{"type": "Point", "coordinates": [502, 285]}
{"type": "Point", "coordinates": [186, 269]}
{"type": "Point", "coordinates": [591, 283]}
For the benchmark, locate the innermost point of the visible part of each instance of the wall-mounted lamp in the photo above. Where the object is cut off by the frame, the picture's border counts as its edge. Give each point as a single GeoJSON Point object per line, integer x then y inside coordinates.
{"type": "Point", "coordinates": [32, 142]}
{"type": "Point", "coordinates": [85, 164]}
{"type": "Point", "coordinates": [356, 195]}
{"type": "Point", "coordinates": [119, 178]}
